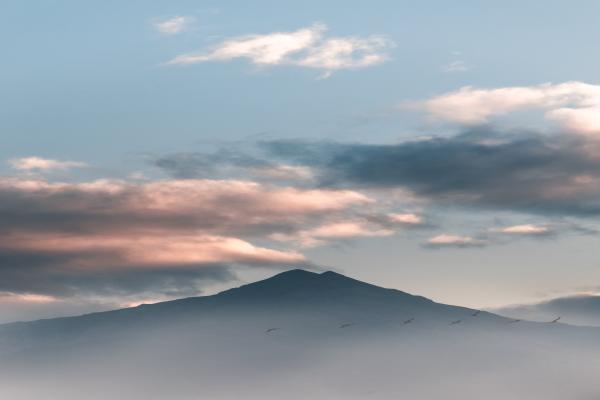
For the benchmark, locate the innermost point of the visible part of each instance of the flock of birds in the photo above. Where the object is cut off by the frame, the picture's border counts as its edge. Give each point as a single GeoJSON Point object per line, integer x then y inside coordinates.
{"type": "Point", "coordinates": [412, 319]}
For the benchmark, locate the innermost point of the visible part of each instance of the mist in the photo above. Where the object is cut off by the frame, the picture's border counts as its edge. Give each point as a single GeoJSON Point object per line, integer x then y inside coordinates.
{"type": "Point", "coordinates": [352, 341]}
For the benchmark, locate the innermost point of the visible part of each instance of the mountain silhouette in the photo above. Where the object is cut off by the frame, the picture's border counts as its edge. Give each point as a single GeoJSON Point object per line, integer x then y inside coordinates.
{"type": "Point", "coordinates": [297, 335]}
{"type": "Point", "coordinates": [294, 298]}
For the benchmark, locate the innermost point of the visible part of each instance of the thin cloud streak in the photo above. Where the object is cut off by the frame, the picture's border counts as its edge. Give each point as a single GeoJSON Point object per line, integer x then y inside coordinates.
{"type": "Point", "coordinates": [29, 164]}
{"type": "Point", "coordinates": [307, 47]}
{"type": "Point", "coordinates": [174, 25]}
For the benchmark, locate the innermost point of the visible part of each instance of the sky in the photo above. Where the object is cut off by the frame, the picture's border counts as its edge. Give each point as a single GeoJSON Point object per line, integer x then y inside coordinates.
{"type": "Point", "coordinates": [156, 150]}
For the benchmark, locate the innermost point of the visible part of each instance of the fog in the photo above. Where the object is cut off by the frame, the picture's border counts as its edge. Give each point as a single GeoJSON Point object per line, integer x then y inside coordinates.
{"type": "Point", "coordinates": [298, 336]}
{"type": "Point", "coordinates": [315, 359]}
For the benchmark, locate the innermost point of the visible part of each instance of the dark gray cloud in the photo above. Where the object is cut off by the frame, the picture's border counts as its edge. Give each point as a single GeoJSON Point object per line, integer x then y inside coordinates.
{"type": "Point", "coordinates": [526, 171]}
{"type": "Point", "coordinates": [52, 274]}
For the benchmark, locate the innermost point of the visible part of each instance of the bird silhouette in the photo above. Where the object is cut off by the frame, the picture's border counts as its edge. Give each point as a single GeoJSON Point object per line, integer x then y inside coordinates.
{"type": "Point", "coordinates": [476, 313]}
{"type": "Point", "coordinates": [408, 321]}
{"type": "Point", "coordinates": [555, 320]}
{"type": "Point", "coordinates": [458, 321]}
{"type": "Point", "coordinates": [272, 330]}
{"type": "Point", "coordinates": [346, 325]}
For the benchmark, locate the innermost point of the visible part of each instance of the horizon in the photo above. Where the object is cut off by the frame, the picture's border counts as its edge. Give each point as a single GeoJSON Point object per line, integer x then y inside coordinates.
{"type": "Point", "coordinates": [505, 311]}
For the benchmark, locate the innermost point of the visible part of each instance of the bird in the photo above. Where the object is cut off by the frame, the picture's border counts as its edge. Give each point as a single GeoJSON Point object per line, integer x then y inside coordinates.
{"type": "Point", "coordinates": [514, 321]}
{"type": "Point", "coordinates": [476, 313]}
{"type": "Point", "coordinates": [271, 330]}
{"type": "Point", "coordinates": [408, 321]}
{"type": "Point", "coordinates": [458, 321]}
{"type": "Point", "coordinates": [346, 325]}
{"type": "Point", "coordinates": [555, 320]}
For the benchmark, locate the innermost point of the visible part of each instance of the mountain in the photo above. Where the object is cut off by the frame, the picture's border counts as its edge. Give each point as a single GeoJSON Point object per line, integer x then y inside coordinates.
{"type": "Point", "coordinates": [577, 310]}
{"type": "Point", "coordinates": [295, 297]}
{"type": "Point", "coordinates": [298, 335]}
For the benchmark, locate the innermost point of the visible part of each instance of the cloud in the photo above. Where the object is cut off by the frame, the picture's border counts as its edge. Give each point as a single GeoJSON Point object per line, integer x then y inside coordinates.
{"type": "Point", "coordinates": [174, 25]}
{"type": "Point", "coordinates": [43, 164]}
{"type": "Point", "coordinates": [574, 105]}
{"type": "Point", "coordinates": [449, 240]}
{"type": "Point", "coordinates": [407, 218]}
{"type": "Point", "coordinates": [584, 120]}
{"type": "Point", "coordinates": [227, 163]}
{"type": "Point", "coordinates": [307, 47]}
{"type": "Point", "coordinates": [525, 229]}
{"type": "Point", "coordinates": [335, 230]}
{"type": "Point", "coordinates": [481, 168]}
{"type": "Point", "coordinates": [112, 236]}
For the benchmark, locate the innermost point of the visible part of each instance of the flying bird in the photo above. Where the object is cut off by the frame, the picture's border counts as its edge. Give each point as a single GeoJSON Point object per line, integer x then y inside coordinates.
{"type": "Point", "coordinates": [345, 325]}
{"type": "Point", "coordinates": [458, 321]}
{"type": "Point", "coordinates": [272, 330]}
{"type": "Point", "coordinates": [408, 321]}
{"type": "Point", "coordinates": [555, 320]}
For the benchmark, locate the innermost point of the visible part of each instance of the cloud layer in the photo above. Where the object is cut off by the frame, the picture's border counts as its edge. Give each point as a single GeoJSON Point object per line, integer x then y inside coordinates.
{"type": "Point", "coordinates": [166, 236]}
{"type": "Point", "coordinates": [525, 172]}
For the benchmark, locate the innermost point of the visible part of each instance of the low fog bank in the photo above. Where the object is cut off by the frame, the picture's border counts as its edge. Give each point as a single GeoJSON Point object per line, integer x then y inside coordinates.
{"type": "Point", "coordinates": [315, 358]}
{"type": "Point", "coordinates": [583, 310]}
{"type": "Point", "coordinates": [298, 335]}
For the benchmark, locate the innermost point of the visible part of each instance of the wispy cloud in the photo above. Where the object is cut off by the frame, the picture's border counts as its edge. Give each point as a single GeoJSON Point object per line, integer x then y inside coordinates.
{"type": "Point", "coordinates": [174, 25]}
{"type": "Point", "coordinates": [406, 218]}
{"type": "Point", "coordinates": [307, 47]}
{"type": "Point", "coordinates": [525, 229]}
{"type": "Point", "coordinates": [336, 230]}
{"type": "Point", "coordinates": [227, 163]}
{"type": "Point", "coordinates": [450, 240]}
{"type": "Point", "coordinates": [43, 164]}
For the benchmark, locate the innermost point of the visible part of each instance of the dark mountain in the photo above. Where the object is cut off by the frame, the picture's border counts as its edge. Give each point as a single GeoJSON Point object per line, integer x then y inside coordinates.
{"type": "Point", "coordinates": [298, 335]}
{"type": "Point", "coordinates": [295, 297]}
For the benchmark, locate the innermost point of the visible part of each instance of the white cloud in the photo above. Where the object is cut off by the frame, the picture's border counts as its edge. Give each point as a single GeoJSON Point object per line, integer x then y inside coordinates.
{"type": "Point", "coordinates": [583, 120]}
{"type": "Point", "coordinates": [284, 172]}
{"type": "Point", "coordinates": [408, 219]}
{"type": "Point", "coordinates": [307, 47]}
{"type": "Point", "coordinates": [344, 229]}
{"type": "Point", "coordinates": [574, 105]}
{"type": "Point", "coordinates": [43, 164]}
{"type": "Point", "coordinates": [447, 240]}
{"type": "Point", "coordinates": [173, 26]}
{"type": "Point", "coordinates": [525, 229]}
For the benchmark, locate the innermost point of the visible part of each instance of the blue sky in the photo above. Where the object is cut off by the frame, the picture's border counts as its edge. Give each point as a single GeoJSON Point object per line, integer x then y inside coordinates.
{"type": "Point", "coordinates": [86, 79]}
{"type": "Point", "coordinates": [90, 82]}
